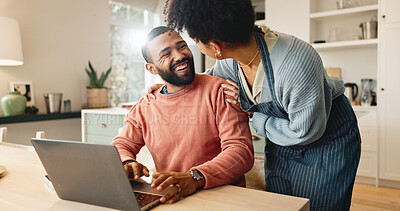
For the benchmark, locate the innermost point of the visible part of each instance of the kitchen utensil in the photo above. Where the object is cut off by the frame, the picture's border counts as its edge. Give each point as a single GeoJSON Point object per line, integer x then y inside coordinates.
{"type": "Point", "coordinates": [367, 86]}
{"type": "Point", "coordinates": [373, 103]}
{"type": "Point", "coordinates": [340, 4]}
{"type": "Point", "coordinates": [67, 106]}
{"type": "Point", "coordinates": [53, 102]}
{"type": "Point", "coordinates": [369, 29]}
{"type": "Point", "coordinates": [351, 91]}
{"type": "Point", "coordinates": [332, 34]}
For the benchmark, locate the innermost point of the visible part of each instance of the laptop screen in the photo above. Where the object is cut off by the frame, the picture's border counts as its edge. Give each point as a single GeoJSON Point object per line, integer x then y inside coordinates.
{"type": "Point", "coordinates": [86, 172]}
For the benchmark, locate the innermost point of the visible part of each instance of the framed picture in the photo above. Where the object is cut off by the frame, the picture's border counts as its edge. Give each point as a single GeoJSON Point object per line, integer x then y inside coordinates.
{"type": "Point", "coordinates": [26, 89]}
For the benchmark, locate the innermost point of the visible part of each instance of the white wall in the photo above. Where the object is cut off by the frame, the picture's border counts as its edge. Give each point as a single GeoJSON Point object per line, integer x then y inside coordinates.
{"type": "Point", "coordinates": [289, 17]}
{"type": "Point", "coordinates": [58, 39]}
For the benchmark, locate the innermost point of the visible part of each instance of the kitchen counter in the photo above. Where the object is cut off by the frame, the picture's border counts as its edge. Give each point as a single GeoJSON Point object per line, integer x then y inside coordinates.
{"type": "Point", "coordinates": [113, 110]}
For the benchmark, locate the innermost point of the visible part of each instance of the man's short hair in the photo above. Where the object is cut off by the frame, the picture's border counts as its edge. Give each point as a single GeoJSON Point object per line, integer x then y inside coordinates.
{"type": "Point", "coordinates": [150, 36]}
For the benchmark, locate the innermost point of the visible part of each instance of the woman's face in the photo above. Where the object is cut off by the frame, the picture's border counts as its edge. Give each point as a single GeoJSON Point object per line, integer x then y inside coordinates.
{"type": "Point", "coordinates": [206, 49]}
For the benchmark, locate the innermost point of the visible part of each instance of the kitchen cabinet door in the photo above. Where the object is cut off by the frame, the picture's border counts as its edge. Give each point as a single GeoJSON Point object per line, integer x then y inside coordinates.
{"type": "Point", "coordinates": [101, 127]}
{"type": "Point", "coordinates": [390, 11]}
{"type": "Point", "coordinates": [389, 100]}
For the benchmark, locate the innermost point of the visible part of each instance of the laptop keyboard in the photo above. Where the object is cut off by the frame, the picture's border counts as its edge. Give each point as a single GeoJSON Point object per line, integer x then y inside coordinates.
{"type": "Point", "coordinates": [145, 198]}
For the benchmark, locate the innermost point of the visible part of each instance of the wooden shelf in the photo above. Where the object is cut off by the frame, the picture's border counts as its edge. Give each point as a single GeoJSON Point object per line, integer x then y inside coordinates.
{"type": "Point", "coordinates": [38, 117]}
{"type": "Point", "coordinates": [321, 15]}
{"type": "Point", "coordinates": [346, 44]}
{"type": "Point", "coordinates": [358, 107]}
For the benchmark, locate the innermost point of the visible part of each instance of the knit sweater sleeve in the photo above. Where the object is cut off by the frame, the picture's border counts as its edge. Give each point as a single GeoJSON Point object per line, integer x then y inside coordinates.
{"type": "Point", "coordinates": [223, 69]}
{"type": "Point", "coordinates": [237, 154]}
{"type": "Point", "coordinates": [130, 140]}
{"type": "Point", "coordinates": [303, 92]}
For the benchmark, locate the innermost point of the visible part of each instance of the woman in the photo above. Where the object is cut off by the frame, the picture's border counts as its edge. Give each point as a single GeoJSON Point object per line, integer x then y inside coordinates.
{"type": "Point", "coordinates": [313, 143]}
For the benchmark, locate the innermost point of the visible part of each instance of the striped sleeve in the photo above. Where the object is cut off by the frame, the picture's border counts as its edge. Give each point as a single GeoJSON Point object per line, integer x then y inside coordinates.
{"type": "Point", "coordinates": [302, 91]}
{"type": "Point", "coordinates": [223, 69]}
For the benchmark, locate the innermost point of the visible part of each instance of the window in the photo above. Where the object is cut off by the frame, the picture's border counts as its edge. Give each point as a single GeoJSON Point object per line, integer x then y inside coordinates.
{"type": "Point", "coordinates": [129, 27]}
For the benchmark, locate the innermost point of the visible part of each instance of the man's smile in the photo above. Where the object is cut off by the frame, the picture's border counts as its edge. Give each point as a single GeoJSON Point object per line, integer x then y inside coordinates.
{"type": "Point", "coordinates": [182, 67]}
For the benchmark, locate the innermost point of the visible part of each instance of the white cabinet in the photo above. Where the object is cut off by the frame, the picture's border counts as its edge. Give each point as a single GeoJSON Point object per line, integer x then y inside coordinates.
{"type": "Point", "coordinates": [390, 12]}
{"type": "Point", "coordinates": [367, 122]}
{"type": "Point", "coordinates": [379, 127]}
{"type": "Point", "coordinates": [102, 125]}
{"type": "Point", "coordinates": [389, 86]}
{"type": "Point", "coordinates": [374, 58]}
{"type": "Point", "coordinates": [339, 29]}
{"type": "Point", "coordinates": [368, 166]}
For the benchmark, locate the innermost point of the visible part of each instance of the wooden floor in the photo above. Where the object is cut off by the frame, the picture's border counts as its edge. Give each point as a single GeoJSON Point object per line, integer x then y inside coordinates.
{"type": "Point", "coordinates": [368, 197]}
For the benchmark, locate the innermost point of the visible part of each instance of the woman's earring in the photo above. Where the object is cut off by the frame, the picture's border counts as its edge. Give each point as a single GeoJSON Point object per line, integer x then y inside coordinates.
{"type": "Point", "coordinates": [218, 55]}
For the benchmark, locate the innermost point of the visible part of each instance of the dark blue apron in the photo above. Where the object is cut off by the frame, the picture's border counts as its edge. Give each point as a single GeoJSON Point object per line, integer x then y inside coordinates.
{"type": "Point", "coordinates": [323, 171]}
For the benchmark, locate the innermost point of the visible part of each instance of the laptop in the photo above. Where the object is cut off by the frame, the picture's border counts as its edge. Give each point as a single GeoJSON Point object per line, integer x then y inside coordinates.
{"type": "Point", "coordinates": [93, 174]}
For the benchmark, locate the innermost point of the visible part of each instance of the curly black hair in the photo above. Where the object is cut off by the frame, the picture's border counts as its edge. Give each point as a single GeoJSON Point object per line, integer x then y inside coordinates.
{"type": "Point", "coordinates": [228, 21]}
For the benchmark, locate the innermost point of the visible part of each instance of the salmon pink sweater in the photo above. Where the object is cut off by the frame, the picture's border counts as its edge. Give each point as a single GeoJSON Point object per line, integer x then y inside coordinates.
{"type": "Point", "coordinates": [194, 128]}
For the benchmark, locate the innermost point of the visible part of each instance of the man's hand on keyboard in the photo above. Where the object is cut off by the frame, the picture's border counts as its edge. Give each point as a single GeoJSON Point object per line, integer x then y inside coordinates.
{"type": "Point", "coordinates": [180, 183]}
{"type": "Point", "coordinates": [135, 170]}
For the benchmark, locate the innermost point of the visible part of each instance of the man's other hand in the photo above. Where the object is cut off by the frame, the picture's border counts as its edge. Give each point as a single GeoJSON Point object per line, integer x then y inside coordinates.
{"type": "Point", "coordinates": [135, 170]}
{"type": "Point", "coordinates": [181, 183]}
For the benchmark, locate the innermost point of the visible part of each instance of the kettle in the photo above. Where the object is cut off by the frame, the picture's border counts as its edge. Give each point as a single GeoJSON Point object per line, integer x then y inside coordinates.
{"type": "Point", "coordinates": [351, 91]}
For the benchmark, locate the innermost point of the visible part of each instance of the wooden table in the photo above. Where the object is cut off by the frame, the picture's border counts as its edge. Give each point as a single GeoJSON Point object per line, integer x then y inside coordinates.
{"type": "Point", "coordinates": [22, 188]}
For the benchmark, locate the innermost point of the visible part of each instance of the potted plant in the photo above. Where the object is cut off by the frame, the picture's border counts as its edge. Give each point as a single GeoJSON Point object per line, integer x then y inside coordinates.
{"type": "Point", "coordinates": [97, 93]}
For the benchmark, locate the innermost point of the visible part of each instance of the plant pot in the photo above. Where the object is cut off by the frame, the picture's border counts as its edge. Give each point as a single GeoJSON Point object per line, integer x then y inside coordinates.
{"type": "Point", "coordinates": [13, 104]}
{"type": "Point", "coordinates": [97, 98]}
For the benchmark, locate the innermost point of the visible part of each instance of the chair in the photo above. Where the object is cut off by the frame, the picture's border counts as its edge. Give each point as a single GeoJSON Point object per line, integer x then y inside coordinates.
{"type": "Point", "coordinates": [3, 134]}
{"type": "Point", "coordinates": [3, 141]}
{"type": "Point", "coordinates": [40, 134]}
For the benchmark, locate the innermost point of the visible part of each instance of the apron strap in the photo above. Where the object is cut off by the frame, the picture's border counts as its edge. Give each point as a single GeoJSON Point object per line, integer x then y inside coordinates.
{"type": "Point", "coordinates": [263, 48]}
{"type": "Point", "coordinates": [272, 107]}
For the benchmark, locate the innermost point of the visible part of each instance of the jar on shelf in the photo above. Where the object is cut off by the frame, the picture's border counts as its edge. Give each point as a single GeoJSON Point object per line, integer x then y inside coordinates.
{"type": "Point", "coordinates": [13, 104]}
{"type": "Point", "coordinates": [333, 34]}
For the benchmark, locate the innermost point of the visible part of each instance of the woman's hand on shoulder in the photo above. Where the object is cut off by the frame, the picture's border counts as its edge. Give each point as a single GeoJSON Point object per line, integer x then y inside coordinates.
{"type": "Point", "coordinates": [149, 95]}
{"type": "Point", "coordinates": [231, 90]}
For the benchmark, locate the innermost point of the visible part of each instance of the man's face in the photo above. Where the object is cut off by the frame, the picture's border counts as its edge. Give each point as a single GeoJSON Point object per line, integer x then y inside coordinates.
{"type": "Point", "coordinates": [172, 58]}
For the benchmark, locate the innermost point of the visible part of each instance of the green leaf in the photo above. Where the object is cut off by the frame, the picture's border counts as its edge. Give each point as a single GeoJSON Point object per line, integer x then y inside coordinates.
{"type": "Point", "coordinates": [88, 73]}
{"type": "Point", "coordinates": [101, 80]}
{"type": "Point", "coordinates": [94, 81]}
{"type": "Point", "coordinates": [91, 67]}
{"type": "Point", "coordinates": [108, 73]}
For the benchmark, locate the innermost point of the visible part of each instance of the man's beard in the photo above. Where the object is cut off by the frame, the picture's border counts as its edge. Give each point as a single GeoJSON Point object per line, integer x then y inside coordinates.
{"type": "Point", "coordinates": [171, 77]}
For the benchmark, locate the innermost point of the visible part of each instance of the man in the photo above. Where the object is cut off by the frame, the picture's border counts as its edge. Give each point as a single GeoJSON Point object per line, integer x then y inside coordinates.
{"type": "Point", "coordinates": [196, 138]}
